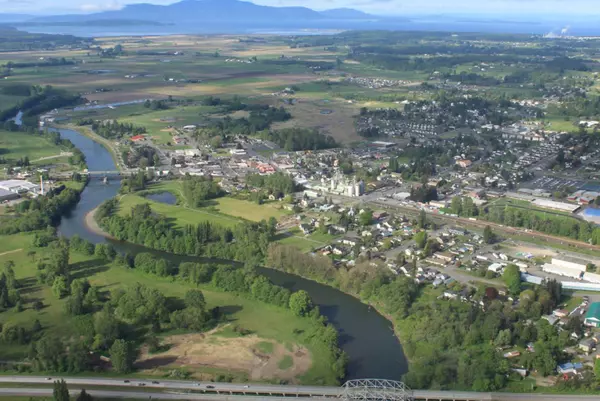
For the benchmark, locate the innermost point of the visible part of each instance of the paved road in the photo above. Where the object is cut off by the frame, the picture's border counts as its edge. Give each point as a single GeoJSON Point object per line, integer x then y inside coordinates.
{"type": "Point", "coordinates": [179, 390]}
{"type": "Point", "coordinates": [134, 384]}
{"type": "Point", "coordinates": [418, 395]}
{"type": "Point", "coordinates": [39, 392]}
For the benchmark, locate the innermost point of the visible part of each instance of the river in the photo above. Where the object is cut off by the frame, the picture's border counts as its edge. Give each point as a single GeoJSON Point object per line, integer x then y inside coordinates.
{"type": "Point", "coordinates": [365, 335]}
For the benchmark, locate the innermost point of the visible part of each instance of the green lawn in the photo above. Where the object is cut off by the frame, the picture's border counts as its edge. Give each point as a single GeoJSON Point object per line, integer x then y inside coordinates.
{"type": "Point", "coordinates": [274, 324]}
{"type": "Point", "coordinates": [248, 210]}
{"type": "Point", "coordinates": [15, 145]}
{"type": "Point", "coordinates": [181, 215]}
{"type": "Point", "coordinates": [300, 242]}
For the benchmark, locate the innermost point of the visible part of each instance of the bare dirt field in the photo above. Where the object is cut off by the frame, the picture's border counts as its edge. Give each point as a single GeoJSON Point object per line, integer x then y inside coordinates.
{"type": "Point", "coordinates": [241, 354]}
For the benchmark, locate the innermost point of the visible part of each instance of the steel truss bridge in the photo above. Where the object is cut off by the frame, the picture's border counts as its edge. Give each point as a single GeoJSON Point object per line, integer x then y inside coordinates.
{"type": "Point", "coordinates": [375, 390]}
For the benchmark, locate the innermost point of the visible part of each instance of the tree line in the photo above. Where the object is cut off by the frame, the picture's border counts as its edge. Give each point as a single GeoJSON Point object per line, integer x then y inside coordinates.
{"type": "Point", "coordinates": [278, 183]}
{"type": "Point", "coordinates": [112, 129]}
{"type": "Point", "coordinates": [295, 139]}
{"type": "Point", "coordinates": [244, 242]}
{"type": "Point", "coordinates": [537, 220]}
{"type": "Point", "coordinates": [38, 213]}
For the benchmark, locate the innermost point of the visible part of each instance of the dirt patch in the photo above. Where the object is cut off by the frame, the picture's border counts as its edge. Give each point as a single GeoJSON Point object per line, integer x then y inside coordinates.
{"type": "Point", "coordinates": [242, 354]}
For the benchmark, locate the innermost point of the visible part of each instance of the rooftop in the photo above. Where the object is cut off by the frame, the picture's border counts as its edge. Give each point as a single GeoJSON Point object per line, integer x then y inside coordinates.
{"type": "Point", "coordinates": [594, 311]}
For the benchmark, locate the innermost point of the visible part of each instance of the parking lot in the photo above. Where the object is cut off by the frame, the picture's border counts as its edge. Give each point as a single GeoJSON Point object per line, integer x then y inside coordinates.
{"type": "Point", "coordinates": [556, 184]}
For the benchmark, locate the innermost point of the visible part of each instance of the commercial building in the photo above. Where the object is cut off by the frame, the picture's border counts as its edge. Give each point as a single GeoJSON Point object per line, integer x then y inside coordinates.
{"type": "Point", "coordinates": [570, 262]}
{"type": "Point", "coordinates": [567, 266]}
{"type": "Point", "coordinates": [7, 195]}
{"type": "Point", "coordinates": [18, 186]}
{"type": "Point", "coordinates": [592, 317]}
{"type": "Point", "coordinates": [554, 205]}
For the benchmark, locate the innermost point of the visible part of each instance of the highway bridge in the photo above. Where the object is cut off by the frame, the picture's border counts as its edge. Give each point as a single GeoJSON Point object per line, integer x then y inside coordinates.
{"type": "Point", "coordinates": [157, 389]}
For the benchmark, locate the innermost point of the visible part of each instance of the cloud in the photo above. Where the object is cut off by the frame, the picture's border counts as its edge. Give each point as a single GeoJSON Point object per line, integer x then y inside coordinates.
{"type": "Point", "coordinates": [107, 6]}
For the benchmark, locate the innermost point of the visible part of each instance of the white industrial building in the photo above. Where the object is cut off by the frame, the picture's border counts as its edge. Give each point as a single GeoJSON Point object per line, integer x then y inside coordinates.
{"type": "Point", "coordinates": [341, 185]}
{"type": "Point", "coordinates": [7, 195]}
{"type": "Point", "coordinates": [569, 267]}
{"type": "Point", "coordinates": [549, 204]}
{"type": "Point", "coordinates": [19, 186]}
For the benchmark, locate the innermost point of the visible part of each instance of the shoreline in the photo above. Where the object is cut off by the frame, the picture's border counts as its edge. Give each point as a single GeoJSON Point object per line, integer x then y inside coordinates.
{"type": "Point", "coordinates": [92, 225]}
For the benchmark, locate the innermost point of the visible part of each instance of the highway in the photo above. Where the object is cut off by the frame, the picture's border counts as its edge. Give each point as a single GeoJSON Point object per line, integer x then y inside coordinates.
{"type": "Point", "coordinates": [181, 390]}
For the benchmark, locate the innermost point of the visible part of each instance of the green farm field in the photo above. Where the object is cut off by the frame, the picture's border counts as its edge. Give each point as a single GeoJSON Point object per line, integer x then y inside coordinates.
{"type": "Point", "coordinates": [16, 145]}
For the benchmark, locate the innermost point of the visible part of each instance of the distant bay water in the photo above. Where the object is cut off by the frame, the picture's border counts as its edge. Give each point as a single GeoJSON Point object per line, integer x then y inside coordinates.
{"type": "Point", "coordinates": [588, 27]}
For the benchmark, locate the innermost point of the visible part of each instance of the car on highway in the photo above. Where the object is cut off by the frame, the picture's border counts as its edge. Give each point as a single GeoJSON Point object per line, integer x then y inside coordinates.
{"type": "Point", "coordinates": [48, 378]}
{"type": "Point", "coordinates": [126, 381]}
{"type": "Point", "coordinates": [209, 386]}
{"type": "Point", "coordinates": [155, 382]}
{"type": "Point", "coordinates": [246, 386]}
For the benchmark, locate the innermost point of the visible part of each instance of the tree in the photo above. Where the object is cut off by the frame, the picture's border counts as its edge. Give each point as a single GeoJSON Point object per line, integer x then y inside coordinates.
{"type": "Point", "coordinates": [300, 303]}
{"type": "Point", "coordinates": [421, 239]}
{"type": "Point", "coordinates": [422, 220]}
{"type": "Point", "coordinates": [195, 299]}
{"type": "Point", "coordinates": [512, 279]}
{"type": "Point", "coordinates": [488, 235]}
{"type": "Point", "coordinates": [59, 287]}
{"type": "Point", "coordinates": [60, 392]}
{"type": "Point", "coordinates": [366, 218]}
{"type": "Point", "coordinates": [84, 396]}
{"type": "Point", "coordinates": [122, 356]}
{"type": "Point", "coordinates": [597, 368]}
{"type": "Point", "coordinates": [106, 327]}
{"type": "Point", "coordinates": [504, 338]}
{"type": "Point", "coordinates": [456, 205]}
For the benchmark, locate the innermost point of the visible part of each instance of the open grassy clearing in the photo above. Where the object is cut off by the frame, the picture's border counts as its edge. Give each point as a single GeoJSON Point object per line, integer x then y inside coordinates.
{"type": "Point", "coordinates": [16, 145]}
{"type": "Point", "coordinates": [267, 324]}
{"type": "Point", "coordinates": [179, 215]}
{"type": "Point", "coordinates": [248, 210]}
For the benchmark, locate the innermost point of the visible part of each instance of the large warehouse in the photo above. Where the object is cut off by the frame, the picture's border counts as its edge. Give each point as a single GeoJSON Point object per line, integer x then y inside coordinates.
{"type": "Point", "coordinates": [7, 195]}
{"type": "Point", "coordinates": [562, 206]}
{"type": "Point", "coordinates": [566, 266]}
{"type": "Point", "coordinates": [18, 186]}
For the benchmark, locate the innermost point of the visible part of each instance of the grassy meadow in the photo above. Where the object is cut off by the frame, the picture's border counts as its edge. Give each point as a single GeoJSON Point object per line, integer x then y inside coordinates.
{"type": "Point", "coordinates": [273, 324]}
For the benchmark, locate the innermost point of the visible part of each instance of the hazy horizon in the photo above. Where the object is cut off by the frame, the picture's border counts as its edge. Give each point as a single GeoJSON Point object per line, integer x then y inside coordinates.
{"type": "Point", "coordinates": [523, 10]}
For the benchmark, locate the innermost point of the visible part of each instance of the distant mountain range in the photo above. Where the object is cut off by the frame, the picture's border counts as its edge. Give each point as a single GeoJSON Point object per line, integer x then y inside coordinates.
{"type": "Point", "coordinates": [230, 12]}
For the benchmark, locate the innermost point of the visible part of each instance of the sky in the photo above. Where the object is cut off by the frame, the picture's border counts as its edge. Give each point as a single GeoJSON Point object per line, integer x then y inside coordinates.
{"type": "Point", "coordinates": [521, 9]}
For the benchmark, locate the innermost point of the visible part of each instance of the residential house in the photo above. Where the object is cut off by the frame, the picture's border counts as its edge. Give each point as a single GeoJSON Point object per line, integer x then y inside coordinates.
{"type": "Point", "coordinates": [569, 367]}
{"type": "Point", "coordinates": [457, 230]}
{"type": "Point", "coordinates": [551, 319]}
{"type": "Point", "coordinates": [587, 345]}
{"type": "Point", "coordinates": [350, 240]}
{"type": "Point", "coordinates": [305, 228]}
{"type": "Point", "coordinates": [445, 256]}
